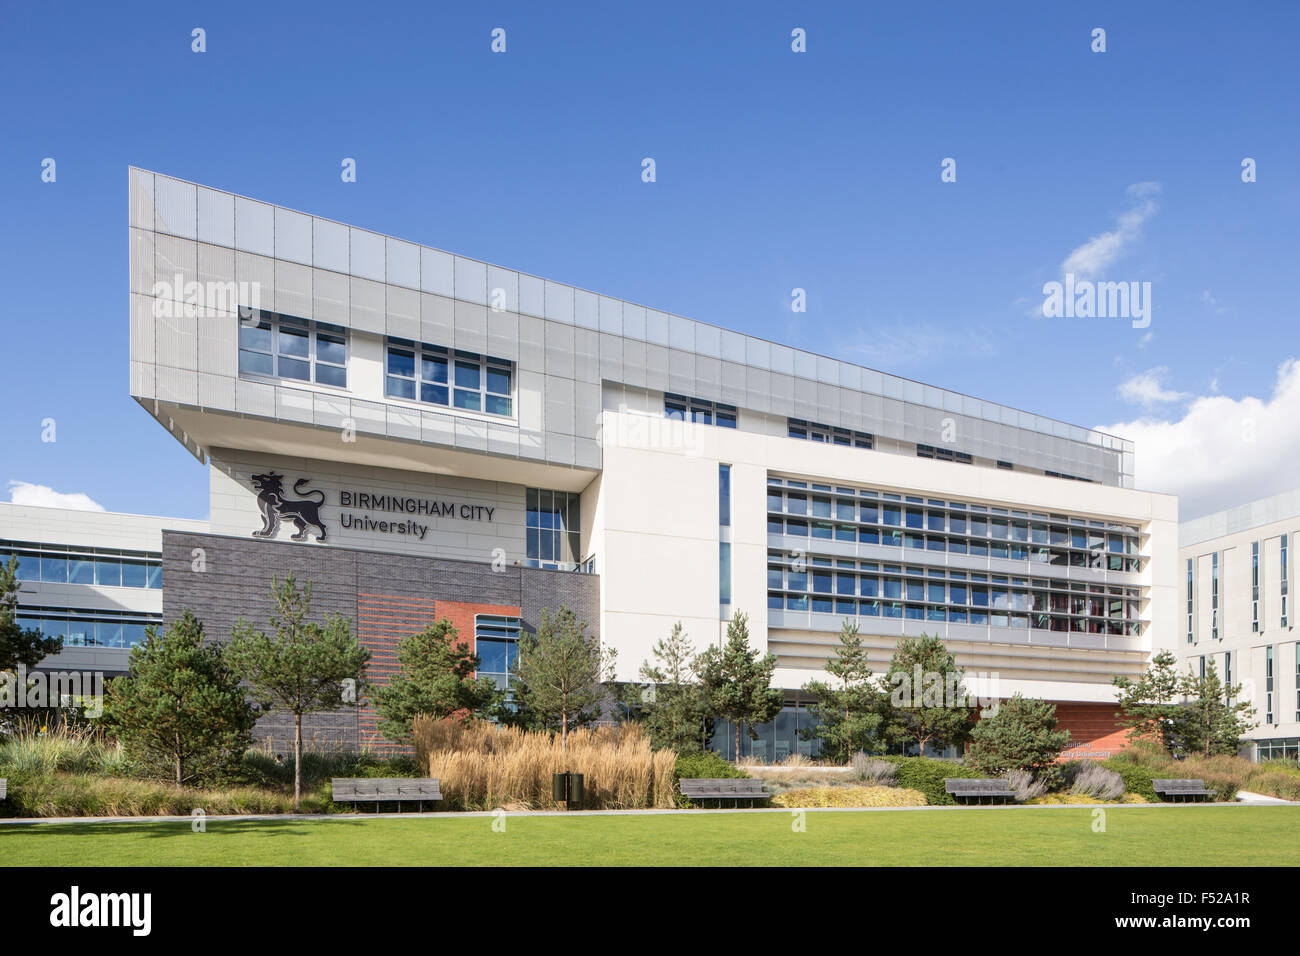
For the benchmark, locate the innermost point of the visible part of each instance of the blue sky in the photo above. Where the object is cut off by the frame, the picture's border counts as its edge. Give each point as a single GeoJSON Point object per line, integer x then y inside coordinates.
{"type": "Point", "coordinates": [775, 170]}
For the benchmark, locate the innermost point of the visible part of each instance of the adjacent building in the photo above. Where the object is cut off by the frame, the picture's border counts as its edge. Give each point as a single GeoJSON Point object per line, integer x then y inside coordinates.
{"type": "Point", "coordinates": [422, 434]}
{"type": "Point", "coordinates": [1238, 613]}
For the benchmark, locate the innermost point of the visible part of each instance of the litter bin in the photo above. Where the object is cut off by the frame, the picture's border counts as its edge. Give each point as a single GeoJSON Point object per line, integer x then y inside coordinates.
{"type": "Point", "coordinates": [575, 790]}
{"type": "Point", "coordinates": [560, 787]}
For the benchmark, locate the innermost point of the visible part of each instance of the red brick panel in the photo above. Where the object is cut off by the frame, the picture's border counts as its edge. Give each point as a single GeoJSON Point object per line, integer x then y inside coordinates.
{"type": "Point", "coordinates": [1095, 730]}
{"type": "Point", "coordinates": [383, 620]}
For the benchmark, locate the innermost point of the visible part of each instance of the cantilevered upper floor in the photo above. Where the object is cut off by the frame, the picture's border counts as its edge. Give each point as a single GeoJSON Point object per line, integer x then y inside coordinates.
{"type": "Point", "coordinates": [260, 328]}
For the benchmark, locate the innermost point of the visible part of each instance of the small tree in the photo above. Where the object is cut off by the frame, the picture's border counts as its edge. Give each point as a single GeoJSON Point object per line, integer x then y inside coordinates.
{"type": "Point", "coordinates": [561, 670]}
{"type": "Point", "coordinates": [737, 680]}
{"type": "Point", "coordinates": [302, 667]}
{"type": "Point", "coordinates": [927, 700]}
{"type": "Point", "coordinates": [436, 679]}
{"type": "Point", "coordinates": [180, 708]}
{"type": "Point", "coordinates": [1150, 706]}
{"type": "Point", "coordinates": [1022, 735]}
{"type": "Point", "coordinates": [1214, 720]}
{"type": "Point", "coordinates": [19, 646]}
{"type": "Point", "coordinates": [674, 705]}
{"type": "Point", "coordinates": [846, 710]}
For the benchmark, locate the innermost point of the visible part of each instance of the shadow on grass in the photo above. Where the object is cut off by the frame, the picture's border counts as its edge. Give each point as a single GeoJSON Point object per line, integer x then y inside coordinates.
{"type": "Point", "coordinates": [158, 829]}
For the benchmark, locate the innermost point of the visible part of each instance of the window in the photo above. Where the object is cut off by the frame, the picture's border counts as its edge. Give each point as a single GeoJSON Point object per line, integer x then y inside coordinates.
{"type": "Point", "coordinates": [496, 642]}
{"type": "Point", "coordinates": [420, 372]}
{"type": "Point", "coordinates": [724, 537]}
{"type": "Point", "coordinates": [813, 431]}
{"type": "Point", "coordinates": [284, 346]}
{"type": "Point", "coordinates": [1227, 676]}
{"type": "Point", "coordinates": [67, 564]}
{"type": "Point", "coordinates": [942, 454]}
{"type": "Point", "coordinates": [1285, 588]}
{"type": "Point", "coordinates": [1190, 602]}
{"type": "Point", "coordinates": [1006, 465]}
{"type": "Point", "coordinates": [552, 529]}
{"type": "Point", "coordinates": [699, 410]}
{"type": "Point", "coordinates": [1214, 596]}
{"type": "Point", "coordinates": [1254, 586]}
{"type": "Point", "coordinates": [1268, 684]}
{"type": "Point", "coordinates": [1296, 647]}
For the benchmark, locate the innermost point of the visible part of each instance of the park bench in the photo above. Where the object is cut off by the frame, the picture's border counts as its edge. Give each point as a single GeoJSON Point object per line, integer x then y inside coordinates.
{"type": "Point", "coordinates": [967, 788]}
{"type": "Point", "coordinates": [1184, 789]}
{"type": "Point", "coordinates": [379, 790]}
{"type": "Point", "coordinates": [714, 788]}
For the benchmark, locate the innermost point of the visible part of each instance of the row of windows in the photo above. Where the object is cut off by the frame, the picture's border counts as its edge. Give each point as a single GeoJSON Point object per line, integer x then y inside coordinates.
{"type": "Point", "coordinates": [416, 371]}
{"type": "Point", "coordinates": [284, 346]}
{"type": "Point", "coordinates": [812, 431]}
{"type": "Point", "coordinates": [846, 587]}
{"type": "Point", "coordinates": [943, 454]}
{"type": "Point", "coordinates": [699, 410]}
{"type": "Point", "coordinates": [1277, 748]}
{"type": "Point", "coordinates": [975, 531]}
{"type": "Point", "coordinates": [66, 565]}
{"type": "Point", "coordinates": [79, 628]}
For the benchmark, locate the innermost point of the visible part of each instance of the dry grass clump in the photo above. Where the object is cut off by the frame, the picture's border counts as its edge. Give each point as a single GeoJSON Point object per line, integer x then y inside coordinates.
{"type": "Point", "coordinates": [849, 797]}
{"type": "Point", "coordinates": [1094, 780]}
{"type": "Point", "coordinates": [1084, 799]}
{"type": "Point", "coordinates": [482, 766]}
{"type": "Point", "coordinates": [81, 795]}
{"type": "Point", "coordinates": [1023, 785]}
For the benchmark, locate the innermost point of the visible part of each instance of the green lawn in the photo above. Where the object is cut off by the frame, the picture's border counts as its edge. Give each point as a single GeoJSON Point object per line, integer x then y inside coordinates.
{"type": "Point", "coordinates": [1192, 836]}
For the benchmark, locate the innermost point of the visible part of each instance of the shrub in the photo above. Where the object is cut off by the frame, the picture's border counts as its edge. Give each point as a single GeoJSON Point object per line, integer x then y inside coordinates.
{"type": "Point", "coordinates": [482, 767]}
{"type": "Point", "coordinates": [873, 771]}
{"type": "Point", "coordinates": [1081, 799]}
{"type": "Point", "coordinates": [78, 795]}
{"type": "Point", "coordinates": [705, 764]}
{"type": "Point", "coordinates": [1022, 735]}
{"type": "Point", "coordinates": [1137, 778]}
{"type": "Point", "coordinates": [1023, 785]}
{"type": "Point", "coordinates": [927, 775]}
{"type": "Point", "coordinates": [1094, 780]}
{"type": "Point", "coordinates": [849, 797]}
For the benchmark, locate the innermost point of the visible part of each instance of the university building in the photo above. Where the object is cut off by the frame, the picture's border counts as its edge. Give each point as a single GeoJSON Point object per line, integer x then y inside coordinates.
{"type": "Point", "coordinates": [424, 435]}
{"type": "Point", "coordinates": [1238, 613]}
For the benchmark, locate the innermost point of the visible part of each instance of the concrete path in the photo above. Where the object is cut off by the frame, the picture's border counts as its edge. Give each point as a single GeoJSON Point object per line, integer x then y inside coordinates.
{"type": "Point", "coordinates": [480, 814]}
{"type": "Point", "coordinates": [1261, 800]}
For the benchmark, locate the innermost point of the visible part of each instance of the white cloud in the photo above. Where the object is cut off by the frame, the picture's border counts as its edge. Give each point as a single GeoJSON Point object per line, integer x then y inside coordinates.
{"type": "Point", "coordinates": [1147, 389]}
{"type": "Point", "coordinates": [1223, 451]}
{"type": "Point", "coordinates": [25, 493]}
{"type": "Point", "coordinates": [1089, 259]}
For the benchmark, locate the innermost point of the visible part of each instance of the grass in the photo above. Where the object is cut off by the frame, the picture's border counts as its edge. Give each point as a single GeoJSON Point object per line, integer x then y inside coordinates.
{"type": "Point", "coordinates": [1224, 836]}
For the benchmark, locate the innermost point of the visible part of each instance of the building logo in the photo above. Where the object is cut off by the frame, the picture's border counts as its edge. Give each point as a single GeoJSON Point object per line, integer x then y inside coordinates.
{"type": "Point", "coordinates": [303, 512]}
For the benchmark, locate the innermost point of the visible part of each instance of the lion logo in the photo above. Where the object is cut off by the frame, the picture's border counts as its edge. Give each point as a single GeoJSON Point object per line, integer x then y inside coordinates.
{"type": "Point", "coordinates": [303, 512]}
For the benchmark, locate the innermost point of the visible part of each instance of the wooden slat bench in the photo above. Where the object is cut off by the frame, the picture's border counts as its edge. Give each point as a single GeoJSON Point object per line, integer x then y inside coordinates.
{"type": "Point", "coordinates": [379, 790]}
{"type": "Point", "coordinates": [967, 787]}
{"type": "Point", "coordinates": [1186, 789]}
{"type": "Point", "coordinates": [724, 788]}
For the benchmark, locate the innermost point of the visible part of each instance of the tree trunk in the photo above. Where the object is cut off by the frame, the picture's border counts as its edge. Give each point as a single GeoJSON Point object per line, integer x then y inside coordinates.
{"type": "Point", "coordinates": [297, 761]}
{"type": "Point", "coordinates": [738, 741]}
{"type": "Point", "coordinates": [179, 774]}
{"type": "Point", "coordinates": [564, 731]}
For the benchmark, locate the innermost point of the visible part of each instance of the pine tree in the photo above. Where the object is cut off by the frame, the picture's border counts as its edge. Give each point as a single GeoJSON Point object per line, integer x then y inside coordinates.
{"type": "Point", "coordinates": [436, 679]}
{"type": "Point", "coordinates": [847, 710]}
{"type": "Point", "coordinates": [1022, 735]}
{"type": "Point", "coordinates": [927, 700]}
{"type": "Point", "coordinates": [1149, 706]}
{"type": "Point", "coordinates": [302, 667]}
{"type": "Point", "coordinates": [674, 705]}
{"type": "Point", "coordinates": [1214, 720]}
{"type": "Point", "coordinates": [737, 681]}
{"type": "Point", "coordinates": [19, 646]}
{"type": "Point", "coordinates": [561, 671]}
{"type": "Point", "coordinates": [180, 709]}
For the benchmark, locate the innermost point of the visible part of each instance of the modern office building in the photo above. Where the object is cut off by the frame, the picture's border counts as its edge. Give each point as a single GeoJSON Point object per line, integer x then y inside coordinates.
{"type": "Point", "coordinates": [1238, 613]}
{"type": "Point", "coordinates": [423, 435]}
{"type": "Point", "coordinates": [90, 577]}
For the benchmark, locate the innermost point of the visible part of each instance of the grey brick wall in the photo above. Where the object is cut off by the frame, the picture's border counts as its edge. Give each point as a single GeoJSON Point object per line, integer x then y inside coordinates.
{"type": "Point", "coordinates": [236, 583]}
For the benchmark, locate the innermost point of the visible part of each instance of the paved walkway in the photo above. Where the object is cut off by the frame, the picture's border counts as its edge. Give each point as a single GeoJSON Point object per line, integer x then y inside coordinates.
{"type": "Point", "coordinates": [479, 814]}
